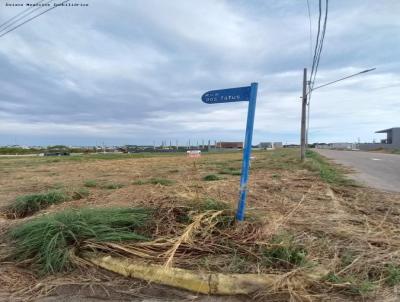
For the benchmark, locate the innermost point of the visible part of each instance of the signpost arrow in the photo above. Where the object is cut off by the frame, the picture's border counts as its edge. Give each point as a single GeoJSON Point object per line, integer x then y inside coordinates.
{"type": "Point", "coordinates": [239, 94]}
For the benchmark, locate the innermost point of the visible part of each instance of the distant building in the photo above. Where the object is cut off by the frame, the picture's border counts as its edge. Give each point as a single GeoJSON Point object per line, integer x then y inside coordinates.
{"type": "Point", "coordinates": [230, 145]}
{"type": "Point", "coordinates": [392, 140]}
{"type": "Point", "coordinates": [265, 145]}
{"type": "Point", "coordinates": [270, 145]}
{"type": "Point", "coordinates": [337, 146]}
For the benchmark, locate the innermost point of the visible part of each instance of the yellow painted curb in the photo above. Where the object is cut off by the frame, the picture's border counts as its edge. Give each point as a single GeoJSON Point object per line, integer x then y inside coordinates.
{"type": "Point", "coordinates": [199, 282]}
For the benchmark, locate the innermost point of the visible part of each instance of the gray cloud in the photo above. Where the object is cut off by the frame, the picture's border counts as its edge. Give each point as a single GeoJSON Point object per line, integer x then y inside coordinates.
{"type": "Point", "coordinates": [133, 72]}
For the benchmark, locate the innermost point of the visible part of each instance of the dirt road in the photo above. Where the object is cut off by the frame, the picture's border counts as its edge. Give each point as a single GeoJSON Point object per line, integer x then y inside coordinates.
{"type": "Point", "coordinates": [377, 170]}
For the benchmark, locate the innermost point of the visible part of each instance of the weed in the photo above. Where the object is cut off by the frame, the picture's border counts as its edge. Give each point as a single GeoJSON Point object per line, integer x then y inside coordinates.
{"type": "Point", "coordinates": [392, 275]}
{"type": "Point", "coordinates": [230, 171]}
{"type": "Point", "coordinates": [155, 181]}
{"type": "Point", "coordinates": [365, 287]}
{"type": "Point", "coordinates": [211, 177]}
{"type": "Point", "coordinates": [28, 204]}
{"type": "Point", "coordinates": [354, 284]}
{"type": "Point", "coordinates": [50, 241]}
{"type": "Point", "coordinates": [161, 181]}
{"type": "Point", "coordinates": [80, 193]}
{"type": "Point", "coordinates": [90, 183]}
{"type": "Point", "coordinates": [283, 251]}
{"type": "Point", "coordinates": [238, 263]}
{"type": "Point", "coordinates": [112, 186]}
{"type": "Point", "coordinates": [347, 258]}
{"type": "Point", "coordinates": [210, 204]}
{"type": "Point", "coordinates": [327, 172]}
{"type": "Point", "coordinates": [140, 182]}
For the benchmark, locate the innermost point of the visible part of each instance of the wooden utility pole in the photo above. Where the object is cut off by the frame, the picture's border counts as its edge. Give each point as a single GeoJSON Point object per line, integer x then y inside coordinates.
{"type": "Point", "coordinates": [303, 118]}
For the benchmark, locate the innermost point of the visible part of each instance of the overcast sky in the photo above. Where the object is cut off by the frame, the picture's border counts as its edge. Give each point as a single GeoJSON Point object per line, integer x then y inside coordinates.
{"type": "Point", "coordinates": [126, 72]}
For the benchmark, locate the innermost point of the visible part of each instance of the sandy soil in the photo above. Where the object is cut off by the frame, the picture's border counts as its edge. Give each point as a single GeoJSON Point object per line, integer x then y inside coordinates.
{"type": "Point", "coordinates": [287, 195]}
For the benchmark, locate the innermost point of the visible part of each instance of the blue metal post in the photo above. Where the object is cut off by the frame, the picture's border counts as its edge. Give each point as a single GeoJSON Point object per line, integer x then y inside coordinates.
{"type": "Point", "coordinates": [247, 152]}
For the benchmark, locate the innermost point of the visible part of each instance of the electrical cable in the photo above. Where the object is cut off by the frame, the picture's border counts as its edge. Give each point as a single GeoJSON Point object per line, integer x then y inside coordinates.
{"type": "Point", "coordinates": [309, 19]}
{"type": "Point", "coordinates": [34, 17]}
{"type": "Point", "coordinates": [22, 17]}
{"type": "Point", "coordinates": [19, 14]}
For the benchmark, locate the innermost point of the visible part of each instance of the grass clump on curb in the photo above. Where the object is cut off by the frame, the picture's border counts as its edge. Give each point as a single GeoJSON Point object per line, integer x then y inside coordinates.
{"type": "Point", "coordinates": [211, 177]}
{"type": "Point", "coordinates": [28, 204]}
{"type": "Point", "coordinates": [50, 242]}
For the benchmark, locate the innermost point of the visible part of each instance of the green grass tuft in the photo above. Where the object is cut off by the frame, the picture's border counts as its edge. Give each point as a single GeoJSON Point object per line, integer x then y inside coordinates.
{"type": "Point", "coordinates": [327, 171]}
{"type": "Point", "coordinates": [231, 171]}
{"type": "Point", "coordinates": [80, 193]}
{"type": "Point", "coordinates": [139, 182]}
{"type": "Point", "coordinates": [392, 275]}
{"type": "Point", "coordinates": [112, 186]}
{"type": "Point", "coordinates": [161, 181]}
{"type": "Point", "coordinates": [28, 204]}
{"type": "Point", "coordinates": [155, 181]}
{"type": "Point", "coordinates": [50, 241]}
{"type": "Point", "coordinates": [210, 204]}
{"type": "Point", "coordinates": [211, 177]}
{"type": "Point", "coordinates": [355, 286]}
{"type": "Point", "coordinates": [90, 183]}
{"type": "Point", "coordinates": [284, 252]}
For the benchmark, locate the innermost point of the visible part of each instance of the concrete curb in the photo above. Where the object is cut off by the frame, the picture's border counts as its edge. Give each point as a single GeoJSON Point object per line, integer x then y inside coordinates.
{"type": "Point", "coordinates": [199, 282]}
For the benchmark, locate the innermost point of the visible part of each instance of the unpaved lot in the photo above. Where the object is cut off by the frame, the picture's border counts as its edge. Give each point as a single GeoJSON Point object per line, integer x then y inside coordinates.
{"type": "Point", "coordinates": [352, 231]}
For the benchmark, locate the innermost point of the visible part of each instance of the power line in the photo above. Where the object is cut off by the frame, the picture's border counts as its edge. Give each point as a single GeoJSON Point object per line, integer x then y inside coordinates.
{"type": "Point", "coordinates": [17, 15]}
{"type": "Point", "coordinates": [309, 19]}
{"type": "Point", "coordinates": [316, 40]}
{"type": "Point", "coordinates": [34, 17]}
{"type": "Point", "coordinates": [341, 79]}
{"type": "Point", "coordinates": [320, 44]}
{"type": "Point", "coordinates": [22, 17]}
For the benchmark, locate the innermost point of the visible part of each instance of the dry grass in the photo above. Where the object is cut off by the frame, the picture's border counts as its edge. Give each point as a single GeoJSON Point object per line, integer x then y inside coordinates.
{"type": "Point", "coordinates": [351, 231]}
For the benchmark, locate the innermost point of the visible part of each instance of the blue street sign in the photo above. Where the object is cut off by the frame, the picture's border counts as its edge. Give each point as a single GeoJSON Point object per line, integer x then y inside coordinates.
{"type": "Point", "coordinates": [238, 94]}
{"type": "Point", "coordinates": [249, 94]}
